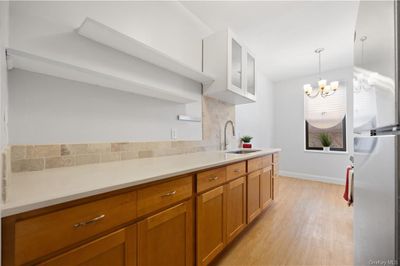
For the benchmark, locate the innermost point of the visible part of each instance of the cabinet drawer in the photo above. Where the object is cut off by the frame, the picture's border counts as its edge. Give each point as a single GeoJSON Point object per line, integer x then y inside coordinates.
{"type": "Point", "coordinates": [211, 178]}
{"type": "Point", "coordinates": [161, 195]}
{"type": "Point", "coordinates": [254, 164]}
{"type": "Point", "coordinates": [235, 170]}
{"type": "Point", "coordinates": [267, 161]}
{"type": "Point", "coordinates": [275, 157]}
{"type": "Point", "coordinates": [41, 235]}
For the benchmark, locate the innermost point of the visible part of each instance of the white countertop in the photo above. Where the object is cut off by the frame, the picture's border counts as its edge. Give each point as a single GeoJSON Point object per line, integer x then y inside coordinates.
{"type": "Point", "coordinates": [33, 190]}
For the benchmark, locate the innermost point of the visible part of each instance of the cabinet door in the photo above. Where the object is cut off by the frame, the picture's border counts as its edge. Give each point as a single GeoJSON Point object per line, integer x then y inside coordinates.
{"type": "Point", "coordinates": [236, 66]}
{"type": "Point", "coordinates": [210, 224]}
{"type": "Point", "coordinates": [236, 207]}
{"type": "Point", "coordinates": [166, 238]}
{"type": "Point", "coordinates": [253, 195]}
{"type": "Point", "coordinates": [275, 181]}
{"type": "Point", "coordinates": [118, 248]}
{"type": "Point", "coordinates": [266, 187]}
{"type": "Point", "coordinates": [250, 75]}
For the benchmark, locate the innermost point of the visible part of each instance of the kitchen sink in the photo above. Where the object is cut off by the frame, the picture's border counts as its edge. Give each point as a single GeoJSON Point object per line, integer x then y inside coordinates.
{"type": "Point", "coordinates": [242, 151]}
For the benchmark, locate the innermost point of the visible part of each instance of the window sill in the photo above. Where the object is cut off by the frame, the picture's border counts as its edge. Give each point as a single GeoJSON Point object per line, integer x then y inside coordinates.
{"type": "Point", "coordinates": [327, 152]}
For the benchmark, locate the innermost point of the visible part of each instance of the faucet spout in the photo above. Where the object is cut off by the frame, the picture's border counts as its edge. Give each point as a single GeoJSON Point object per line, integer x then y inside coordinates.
{"type": "Point", "coordinates": [233, 132]}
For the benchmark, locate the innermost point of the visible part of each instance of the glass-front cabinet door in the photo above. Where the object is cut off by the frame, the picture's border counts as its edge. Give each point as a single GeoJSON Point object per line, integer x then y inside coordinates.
{"type": "Point", "coordinates": [250, 75]}
{"type": "Point", "coordinates": [236, 66]}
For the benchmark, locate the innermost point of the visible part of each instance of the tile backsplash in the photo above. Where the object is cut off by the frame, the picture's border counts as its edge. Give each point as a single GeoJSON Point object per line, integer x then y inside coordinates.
{"type": "Point", "coordinates": [40, 157]}
{"type": "Point", "coordinates": [24, 158]}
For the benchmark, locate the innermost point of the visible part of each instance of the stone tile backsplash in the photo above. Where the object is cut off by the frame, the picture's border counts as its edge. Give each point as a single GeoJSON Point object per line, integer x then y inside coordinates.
{"type": "Point", "coordinates": [39, 157]}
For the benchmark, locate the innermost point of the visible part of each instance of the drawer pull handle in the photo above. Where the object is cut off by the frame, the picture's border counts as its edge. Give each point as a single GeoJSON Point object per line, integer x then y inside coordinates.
{"type": "Point", "coordinates": [92, 221]}
{"type": "Point", "coordinates": [213, 178]}
{"type": "Point", "coordinates": [236, 170]}
{"type": "Point", "coordinates": [171, 193]}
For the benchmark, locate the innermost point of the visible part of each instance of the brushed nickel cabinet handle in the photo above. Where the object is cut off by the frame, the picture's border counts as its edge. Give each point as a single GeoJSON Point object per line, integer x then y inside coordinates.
{"type": "Point", "coordinates": [171, 193]}
{"type": "Point", "coordinates": [92, 221]}
{"type": "Point", "coordinates": [213, 178]}
{"type": "Point", "coordinates": [236, 170]}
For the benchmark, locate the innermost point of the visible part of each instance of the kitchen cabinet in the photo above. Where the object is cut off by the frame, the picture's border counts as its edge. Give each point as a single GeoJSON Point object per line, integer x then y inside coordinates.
{"type": "Point", "coordinates": [166, 238]}
{"type": "Point", "coordinates": [117, 249]}
{"type": "Point", "coordinates": [152, 198]}
{"type": "Point", "coordinates": [235, 170]}
{"type": "Point", "coordinates": [211, 178]}
{"type": "Point", "coordinates": [266, 187]}
{"type": "Point", "coordinates": [236, 207]}
{"type": "Point", "coordinates": [253, 195]}
{"type": "Point", "coordinates": [49, 231]}
{"type": "Point", "coordinates": [232, 65]}
{"type": "Point", "coordinates": [259, 185]}
{"type": "Point", "coordinates": [275, 176]}
{"type": "Point", "coordinates": [211, 222]}
{"type": "Point", "coordinates": [150, 224]}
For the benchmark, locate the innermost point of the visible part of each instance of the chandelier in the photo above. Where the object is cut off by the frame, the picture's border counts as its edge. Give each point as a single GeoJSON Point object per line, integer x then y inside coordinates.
{"type": "Point", "coordinates": [323, 88]}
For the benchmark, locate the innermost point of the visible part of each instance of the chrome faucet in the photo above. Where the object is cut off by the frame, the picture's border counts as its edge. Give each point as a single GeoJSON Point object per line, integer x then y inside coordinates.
{"type": "Point", "coordinates": [233, 131]}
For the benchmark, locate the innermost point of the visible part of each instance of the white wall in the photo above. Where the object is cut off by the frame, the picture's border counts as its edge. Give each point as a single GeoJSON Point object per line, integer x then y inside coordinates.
{"type": "Point", "coordinates": [49, 110]}
{"type": "Point", "coordinates": [47, 29]}
{"type": "Point", "coordinates": [289, 131]}
{"type": "Point", "coordinates": [4, 24]}
{"type": "Point", "coordinates": [257, 119]}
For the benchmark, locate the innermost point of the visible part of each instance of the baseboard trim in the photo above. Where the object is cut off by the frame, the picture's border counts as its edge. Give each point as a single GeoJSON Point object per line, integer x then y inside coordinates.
{"type": "Point", "coordinates": [325, 179]}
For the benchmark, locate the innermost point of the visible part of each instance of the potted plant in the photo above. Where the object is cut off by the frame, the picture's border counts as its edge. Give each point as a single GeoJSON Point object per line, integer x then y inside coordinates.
{"type": "Point", "coordinates": [326, 141]}
{"type": "Point", "coordinates": [246, 141]}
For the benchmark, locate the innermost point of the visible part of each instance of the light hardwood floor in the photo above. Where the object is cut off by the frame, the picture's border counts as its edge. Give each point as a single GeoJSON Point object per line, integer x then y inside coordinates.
{"type": "Point", "coordinates": [309, 224]}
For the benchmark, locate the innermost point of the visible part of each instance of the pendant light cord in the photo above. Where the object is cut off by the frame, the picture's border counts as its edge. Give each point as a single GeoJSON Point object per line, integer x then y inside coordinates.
{"type": "Point", "coordinates": [319, 51]}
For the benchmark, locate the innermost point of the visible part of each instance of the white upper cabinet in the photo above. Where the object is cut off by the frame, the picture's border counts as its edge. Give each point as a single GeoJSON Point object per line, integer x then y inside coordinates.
{"type": "Point", "coordinates": [232, 65]}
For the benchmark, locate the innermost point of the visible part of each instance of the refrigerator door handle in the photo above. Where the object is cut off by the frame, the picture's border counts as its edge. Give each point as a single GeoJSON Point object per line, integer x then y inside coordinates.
{"type": "Point", "coordinates": [388, 130]}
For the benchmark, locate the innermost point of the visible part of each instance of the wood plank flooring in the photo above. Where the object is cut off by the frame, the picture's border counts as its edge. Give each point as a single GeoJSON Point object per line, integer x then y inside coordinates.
{"type": "Point", "coordinates": [309, 224]}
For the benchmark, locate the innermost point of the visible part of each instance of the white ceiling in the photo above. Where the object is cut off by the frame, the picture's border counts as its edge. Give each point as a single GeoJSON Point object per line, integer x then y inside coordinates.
{"type": "Point", "coordinates": [284, 34]}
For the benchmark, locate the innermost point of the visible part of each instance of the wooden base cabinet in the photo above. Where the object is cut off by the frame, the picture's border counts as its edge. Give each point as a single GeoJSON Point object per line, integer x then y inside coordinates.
{"type": "Point", "coordinates": [149, 225]}
{"type": "Point", "coordinates": [275, 176]}
{"type": "Point", "coordinates": [266, 187]}
{"type": "Point", "coordinates": [117, 249]}
{"type": "Point", "coordinates": [236, 207]}
{"type": "Point", "coordinates": [253, 195]}
{"type": "Point", "coordinates": [166, 238]}
{"type": "Point", "coordinates": [210, 224]}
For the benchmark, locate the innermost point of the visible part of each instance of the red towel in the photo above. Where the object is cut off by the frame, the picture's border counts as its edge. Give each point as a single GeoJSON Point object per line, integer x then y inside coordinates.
{"type": "Point", "coordinates": [346, 190]}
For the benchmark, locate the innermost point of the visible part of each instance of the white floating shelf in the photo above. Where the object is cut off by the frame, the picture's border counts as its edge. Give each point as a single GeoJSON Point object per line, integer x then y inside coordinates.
{"type": "Point", "coordinates": [34, 63]}
{"type": "Point", "coordinates": [105, 35]}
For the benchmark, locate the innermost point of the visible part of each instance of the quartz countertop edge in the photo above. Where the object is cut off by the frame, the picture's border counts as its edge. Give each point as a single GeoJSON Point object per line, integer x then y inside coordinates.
{"type": "Point", "coordinates": [29, 191]}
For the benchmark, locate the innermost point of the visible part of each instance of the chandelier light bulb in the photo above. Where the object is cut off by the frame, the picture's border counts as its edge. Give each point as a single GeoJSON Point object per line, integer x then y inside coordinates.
{"type": "Point", "coordinates": [307, 89]}
{"type": "Point", "coordinates": [334, 85]}
{"type": "Point", "coordinates": [322, 83]}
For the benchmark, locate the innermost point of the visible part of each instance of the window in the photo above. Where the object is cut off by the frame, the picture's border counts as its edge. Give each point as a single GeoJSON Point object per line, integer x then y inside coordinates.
{"type": "Point", "coordinates": [337, 134]}
{"type": "Point", "coordinates": [326, 115]}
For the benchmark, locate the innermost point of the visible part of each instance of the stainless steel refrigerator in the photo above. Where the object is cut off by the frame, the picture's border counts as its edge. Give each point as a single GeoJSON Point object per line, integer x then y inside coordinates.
{"type": "Point", "coordinates": [376, 134]}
